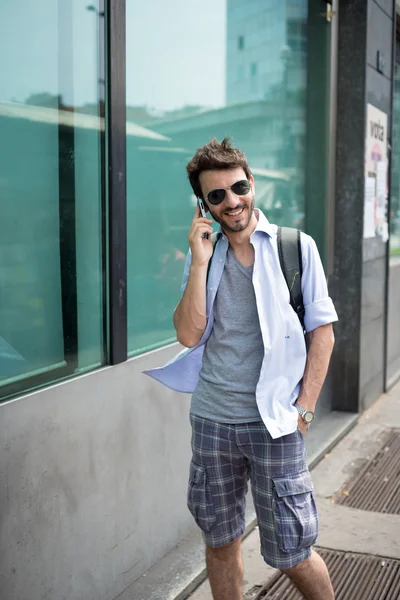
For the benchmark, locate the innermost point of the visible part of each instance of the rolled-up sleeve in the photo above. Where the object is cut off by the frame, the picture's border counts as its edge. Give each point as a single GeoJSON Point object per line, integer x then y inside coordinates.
{"type": "Point", "coordinates": [186, 270]}
{"type": "Point", "coordinates": [319, 309]}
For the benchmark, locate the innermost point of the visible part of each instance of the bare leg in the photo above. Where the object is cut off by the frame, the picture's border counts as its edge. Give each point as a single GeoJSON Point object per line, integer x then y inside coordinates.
{"type": "Point", "coordinates": [312, 579]}
{"type": "Point", "coordinates": [225, 571]}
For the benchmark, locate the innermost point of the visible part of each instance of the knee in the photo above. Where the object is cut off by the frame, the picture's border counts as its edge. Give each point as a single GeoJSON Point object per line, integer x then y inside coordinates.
{"type": "Point", "coordinates": [224, 551]}
{"type": "Point", "coordinates": [299, 568]}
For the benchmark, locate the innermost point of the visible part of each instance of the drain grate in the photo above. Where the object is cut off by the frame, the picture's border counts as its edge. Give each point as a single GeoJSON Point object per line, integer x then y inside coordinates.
{"type": "Point", "coordinates": [377, 487]}
{"type": "Point", "coordinates": [354, 577]}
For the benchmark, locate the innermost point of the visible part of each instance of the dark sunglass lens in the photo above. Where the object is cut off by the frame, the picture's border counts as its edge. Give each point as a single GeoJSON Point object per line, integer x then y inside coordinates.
{"type": "Point", "coordinates": [241, 188]}
{"type": "Point", "coordinates": [216, 196]}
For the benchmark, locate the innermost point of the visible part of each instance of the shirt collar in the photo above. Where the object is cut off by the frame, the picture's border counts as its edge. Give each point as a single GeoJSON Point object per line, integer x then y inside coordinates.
{"type": "Point", "coordinates": [262, 225]}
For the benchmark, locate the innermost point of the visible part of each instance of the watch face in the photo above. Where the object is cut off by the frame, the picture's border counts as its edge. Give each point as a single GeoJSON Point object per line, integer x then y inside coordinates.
{"type": "Point", "coordinates": [308, 417]}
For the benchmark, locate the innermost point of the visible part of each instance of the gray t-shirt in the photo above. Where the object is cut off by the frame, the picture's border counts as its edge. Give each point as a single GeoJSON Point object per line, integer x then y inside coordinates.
{"type": "Point", "coordinates": [233, 353]}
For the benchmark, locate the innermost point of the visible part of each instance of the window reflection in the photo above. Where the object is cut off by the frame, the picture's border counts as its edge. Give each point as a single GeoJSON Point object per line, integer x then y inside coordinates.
{"type": "Point", "coordinates": [51, 315]}
{"type": "Point", "coordinates": [225, 67]}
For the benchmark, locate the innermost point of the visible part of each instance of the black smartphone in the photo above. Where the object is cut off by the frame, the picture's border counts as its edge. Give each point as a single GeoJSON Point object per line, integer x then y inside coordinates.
{"type": "Point", "coordinates": [203, 214]}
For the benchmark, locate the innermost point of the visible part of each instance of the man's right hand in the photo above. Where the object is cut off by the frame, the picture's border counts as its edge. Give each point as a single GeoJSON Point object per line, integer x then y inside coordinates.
{"type": "Point", "coordinates": [200, 247]}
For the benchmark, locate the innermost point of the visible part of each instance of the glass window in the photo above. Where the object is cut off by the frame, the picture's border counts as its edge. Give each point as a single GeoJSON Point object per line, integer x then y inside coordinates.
{"type": "Point", "coordinates": [395, 191]}
{"type": "Point", "coordinates": [51, 301]}
{"type": "Point", "coordinates": [214, 80]}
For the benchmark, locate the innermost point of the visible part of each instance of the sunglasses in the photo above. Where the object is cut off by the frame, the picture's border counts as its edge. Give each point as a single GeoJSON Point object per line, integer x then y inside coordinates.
{"type": "Point", "coordinates": [240, 188]}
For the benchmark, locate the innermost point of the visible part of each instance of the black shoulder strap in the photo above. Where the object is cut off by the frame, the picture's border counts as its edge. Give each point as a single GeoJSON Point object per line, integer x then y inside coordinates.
{"type": "Point", "coordinates": [214, 239]}
{"type": "Point", "coordinates": [289, 249]}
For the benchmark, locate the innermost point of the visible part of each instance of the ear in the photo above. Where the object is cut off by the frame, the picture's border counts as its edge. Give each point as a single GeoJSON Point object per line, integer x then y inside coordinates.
{"type": "Point", "coordinates": [251, 179]}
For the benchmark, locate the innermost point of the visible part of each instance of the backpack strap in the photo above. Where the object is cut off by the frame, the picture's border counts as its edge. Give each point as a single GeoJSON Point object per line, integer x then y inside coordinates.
{"type": "Point", "coordinates": [290, 258]}
{"type": "Point", "coordinates": [214, 237]}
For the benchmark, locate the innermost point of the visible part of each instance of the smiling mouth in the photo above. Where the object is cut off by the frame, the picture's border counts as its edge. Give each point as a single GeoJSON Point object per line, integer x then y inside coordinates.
{"type": "Point", "coordinates": [235, 213]}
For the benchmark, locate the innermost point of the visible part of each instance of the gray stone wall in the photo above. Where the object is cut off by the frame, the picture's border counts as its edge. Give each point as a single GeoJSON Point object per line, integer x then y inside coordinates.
{"type": "Point", "coordinates": [93, 483]}
{"type": "Point", "coordinates": [345, 282]}
{"type": "Point", "coordinates": [359, 279]}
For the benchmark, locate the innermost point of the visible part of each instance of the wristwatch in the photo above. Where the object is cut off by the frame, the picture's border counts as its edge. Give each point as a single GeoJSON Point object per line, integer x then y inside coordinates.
{"type": "Point", "coordinates": [306, 415]}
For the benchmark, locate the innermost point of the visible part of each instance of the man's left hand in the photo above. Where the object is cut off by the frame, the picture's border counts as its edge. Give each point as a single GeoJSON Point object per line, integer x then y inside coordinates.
{"type": "Point", "coordinates": [303, 426]}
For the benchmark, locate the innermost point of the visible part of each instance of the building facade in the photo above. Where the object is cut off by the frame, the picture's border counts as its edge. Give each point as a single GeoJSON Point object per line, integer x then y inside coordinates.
{"type": "Point", "coordinates": [101, 107]}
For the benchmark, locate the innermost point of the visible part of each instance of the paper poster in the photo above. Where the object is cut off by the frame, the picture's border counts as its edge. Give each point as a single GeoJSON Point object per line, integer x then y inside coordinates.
{"type": "Point", "coordinates": [376, 173]}
{"type": "Point", "coordinates": [369, 208]}
{"type": "Point", "coordinates": [381, 189]}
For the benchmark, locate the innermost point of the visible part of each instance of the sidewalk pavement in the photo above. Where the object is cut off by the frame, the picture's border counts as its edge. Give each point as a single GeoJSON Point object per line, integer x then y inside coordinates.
{"type": "Point", "coordinates": [341, 527]}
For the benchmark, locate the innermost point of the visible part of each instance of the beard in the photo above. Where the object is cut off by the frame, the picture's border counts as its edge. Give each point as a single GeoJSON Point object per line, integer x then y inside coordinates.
{"type": "Point", "coordinates": [243, 221]}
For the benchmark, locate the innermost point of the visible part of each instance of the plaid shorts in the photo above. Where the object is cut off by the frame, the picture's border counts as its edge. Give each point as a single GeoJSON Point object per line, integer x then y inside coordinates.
{"type": "Point", "coordinates": [224, 458]}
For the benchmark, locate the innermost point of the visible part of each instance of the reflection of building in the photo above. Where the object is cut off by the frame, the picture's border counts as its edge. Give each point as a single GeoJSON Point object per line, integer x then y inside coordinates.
{"type": "Point", "coordinates": [258, 33]}
{"type": "Point", "coordinates": [258, 125]}
{"type": "Point", "coordinates": [155, 269]}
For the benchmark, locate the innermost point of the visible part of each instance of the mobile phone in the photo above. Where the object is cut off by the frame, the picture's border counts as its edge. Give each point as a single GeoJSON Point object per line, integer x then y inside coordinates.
{"type": "Point", "coordinates": [203, 214]}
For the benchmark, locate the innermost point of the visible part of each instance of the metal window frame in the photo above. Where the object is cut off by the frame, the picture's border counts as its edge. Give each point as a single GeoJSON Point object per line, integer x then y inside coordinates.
{"type": "Point", "coordinates": [116, 176]}
{"type": "Point", "coordinates": [67, 195]}
{"type": "Point", "coordinates": [103, 175]}
{"type": "Point", "coordinates": [330, 213]}
{"type": "Point", "coordinates": [112, 86]}
{"type": "Point", "coordinates": [27, 383]}
{"type": "Point", "coordinates": [319, 111]}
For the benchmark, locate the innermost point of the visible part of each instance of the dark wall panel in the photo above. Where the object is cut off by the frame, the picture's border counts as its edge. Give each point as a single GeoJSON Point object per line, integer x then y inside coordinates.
{"type": "Point", "coordinates": [373, 291]}
{"type": "Point", "coordinates": [378, 25]}
{"type": "Point", "coordinates": [394, 321]}
{"type": "Point", "coordinates": [372, 353]}
{"type": "Point", "coordinates": [373, 305]}
{"type": "Point", "coordinates": [386, 5]}
{"type": "Point", "coordinates": [379, 89]}
{"type": "Point", "coordinates": [373, 249]}
{"type": "Point", "coordinates": [370, 392]}
{"type": "Point", "coordinates": [345, 283]}
{"type": "Point", "coordinates": [359, 278]}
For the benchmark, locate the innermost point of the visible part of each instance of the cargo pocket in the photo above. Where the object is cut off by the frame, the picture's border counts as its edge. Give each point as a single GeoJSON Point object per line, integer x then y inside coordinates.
{"type": "Point", "coordinates": [295, 512]}
{"type": "Point", "coordinates": [199, 499]}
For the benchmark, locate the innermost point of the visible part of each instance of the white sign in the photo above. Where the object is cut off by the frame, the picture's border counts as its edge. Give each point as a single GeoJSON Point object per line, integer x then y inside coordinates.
{"type": "Point", "coordinates": [381, 189]}
{"type": "Point", "coordinates": [369, 207]}
{"type": "Point", "coordinates": [376, 173]}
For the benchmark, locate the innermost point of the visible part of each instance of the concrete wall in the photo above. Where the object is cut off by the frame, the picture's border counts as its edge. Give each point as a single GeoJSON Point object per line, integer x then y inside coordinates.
{"type": "Point", "coordinates": [93, 482]}
{"type": "Point", "coordinates": [94, 475]}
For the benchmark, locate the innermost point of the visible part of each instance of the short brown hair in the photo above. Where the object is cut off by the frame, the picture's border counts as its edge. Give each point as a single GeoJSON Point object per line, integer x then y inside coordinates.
{"type": "Point", "coordinates": [212, 157]}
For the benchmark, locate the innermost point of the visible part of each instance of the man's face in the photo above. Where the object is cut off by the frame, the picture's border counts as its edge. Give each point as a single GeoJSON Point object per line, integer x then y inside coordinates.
{"type": "Point", "coordinates": [235, 212]}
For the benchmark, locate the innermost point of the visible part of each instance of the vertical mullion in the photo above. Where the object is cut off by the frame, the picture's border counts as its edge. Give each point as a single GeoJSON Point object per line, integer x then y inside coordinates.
{"type": "Point", "coordinates": [333, 84]}
{"type": "Point", "coordinates": [102, 75]}
{"type": "Point", "coordinates": [116, 136]}
{"type": "Point", "coordinates": [389, 203]}
{"type": "Point", "coordinates": [67, 196]}
{"type": "Point", "coordinates": [317, 126]}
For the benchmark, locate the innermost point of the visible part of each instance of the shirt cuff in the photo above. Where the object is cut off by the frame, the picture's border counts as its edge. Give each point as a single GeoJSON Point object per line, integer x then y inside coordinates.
{"type": "Point", "coordinates": [319, 313]}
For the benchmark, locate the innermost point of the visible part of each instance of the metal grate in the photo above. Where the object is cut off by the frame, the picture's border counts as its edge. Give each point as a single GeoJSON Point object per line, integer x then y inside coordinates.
{"type": "Point", "coordinates": [377, 486]}
{"type": "Point", "coordinates": [354, 577]}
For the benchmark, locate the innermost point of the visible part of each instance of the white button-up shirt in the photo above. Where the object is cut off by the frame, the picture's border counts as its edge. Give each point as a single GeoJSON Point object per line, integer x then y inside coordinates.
{"type": "Point", "coordinates": [284, 344]}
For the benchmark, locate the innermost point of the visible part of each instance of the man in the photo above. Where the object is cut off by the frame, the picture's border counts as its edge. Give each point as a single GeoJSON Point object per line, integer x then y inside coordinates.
{"type": "Point", "coordinates": [254, 385]}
